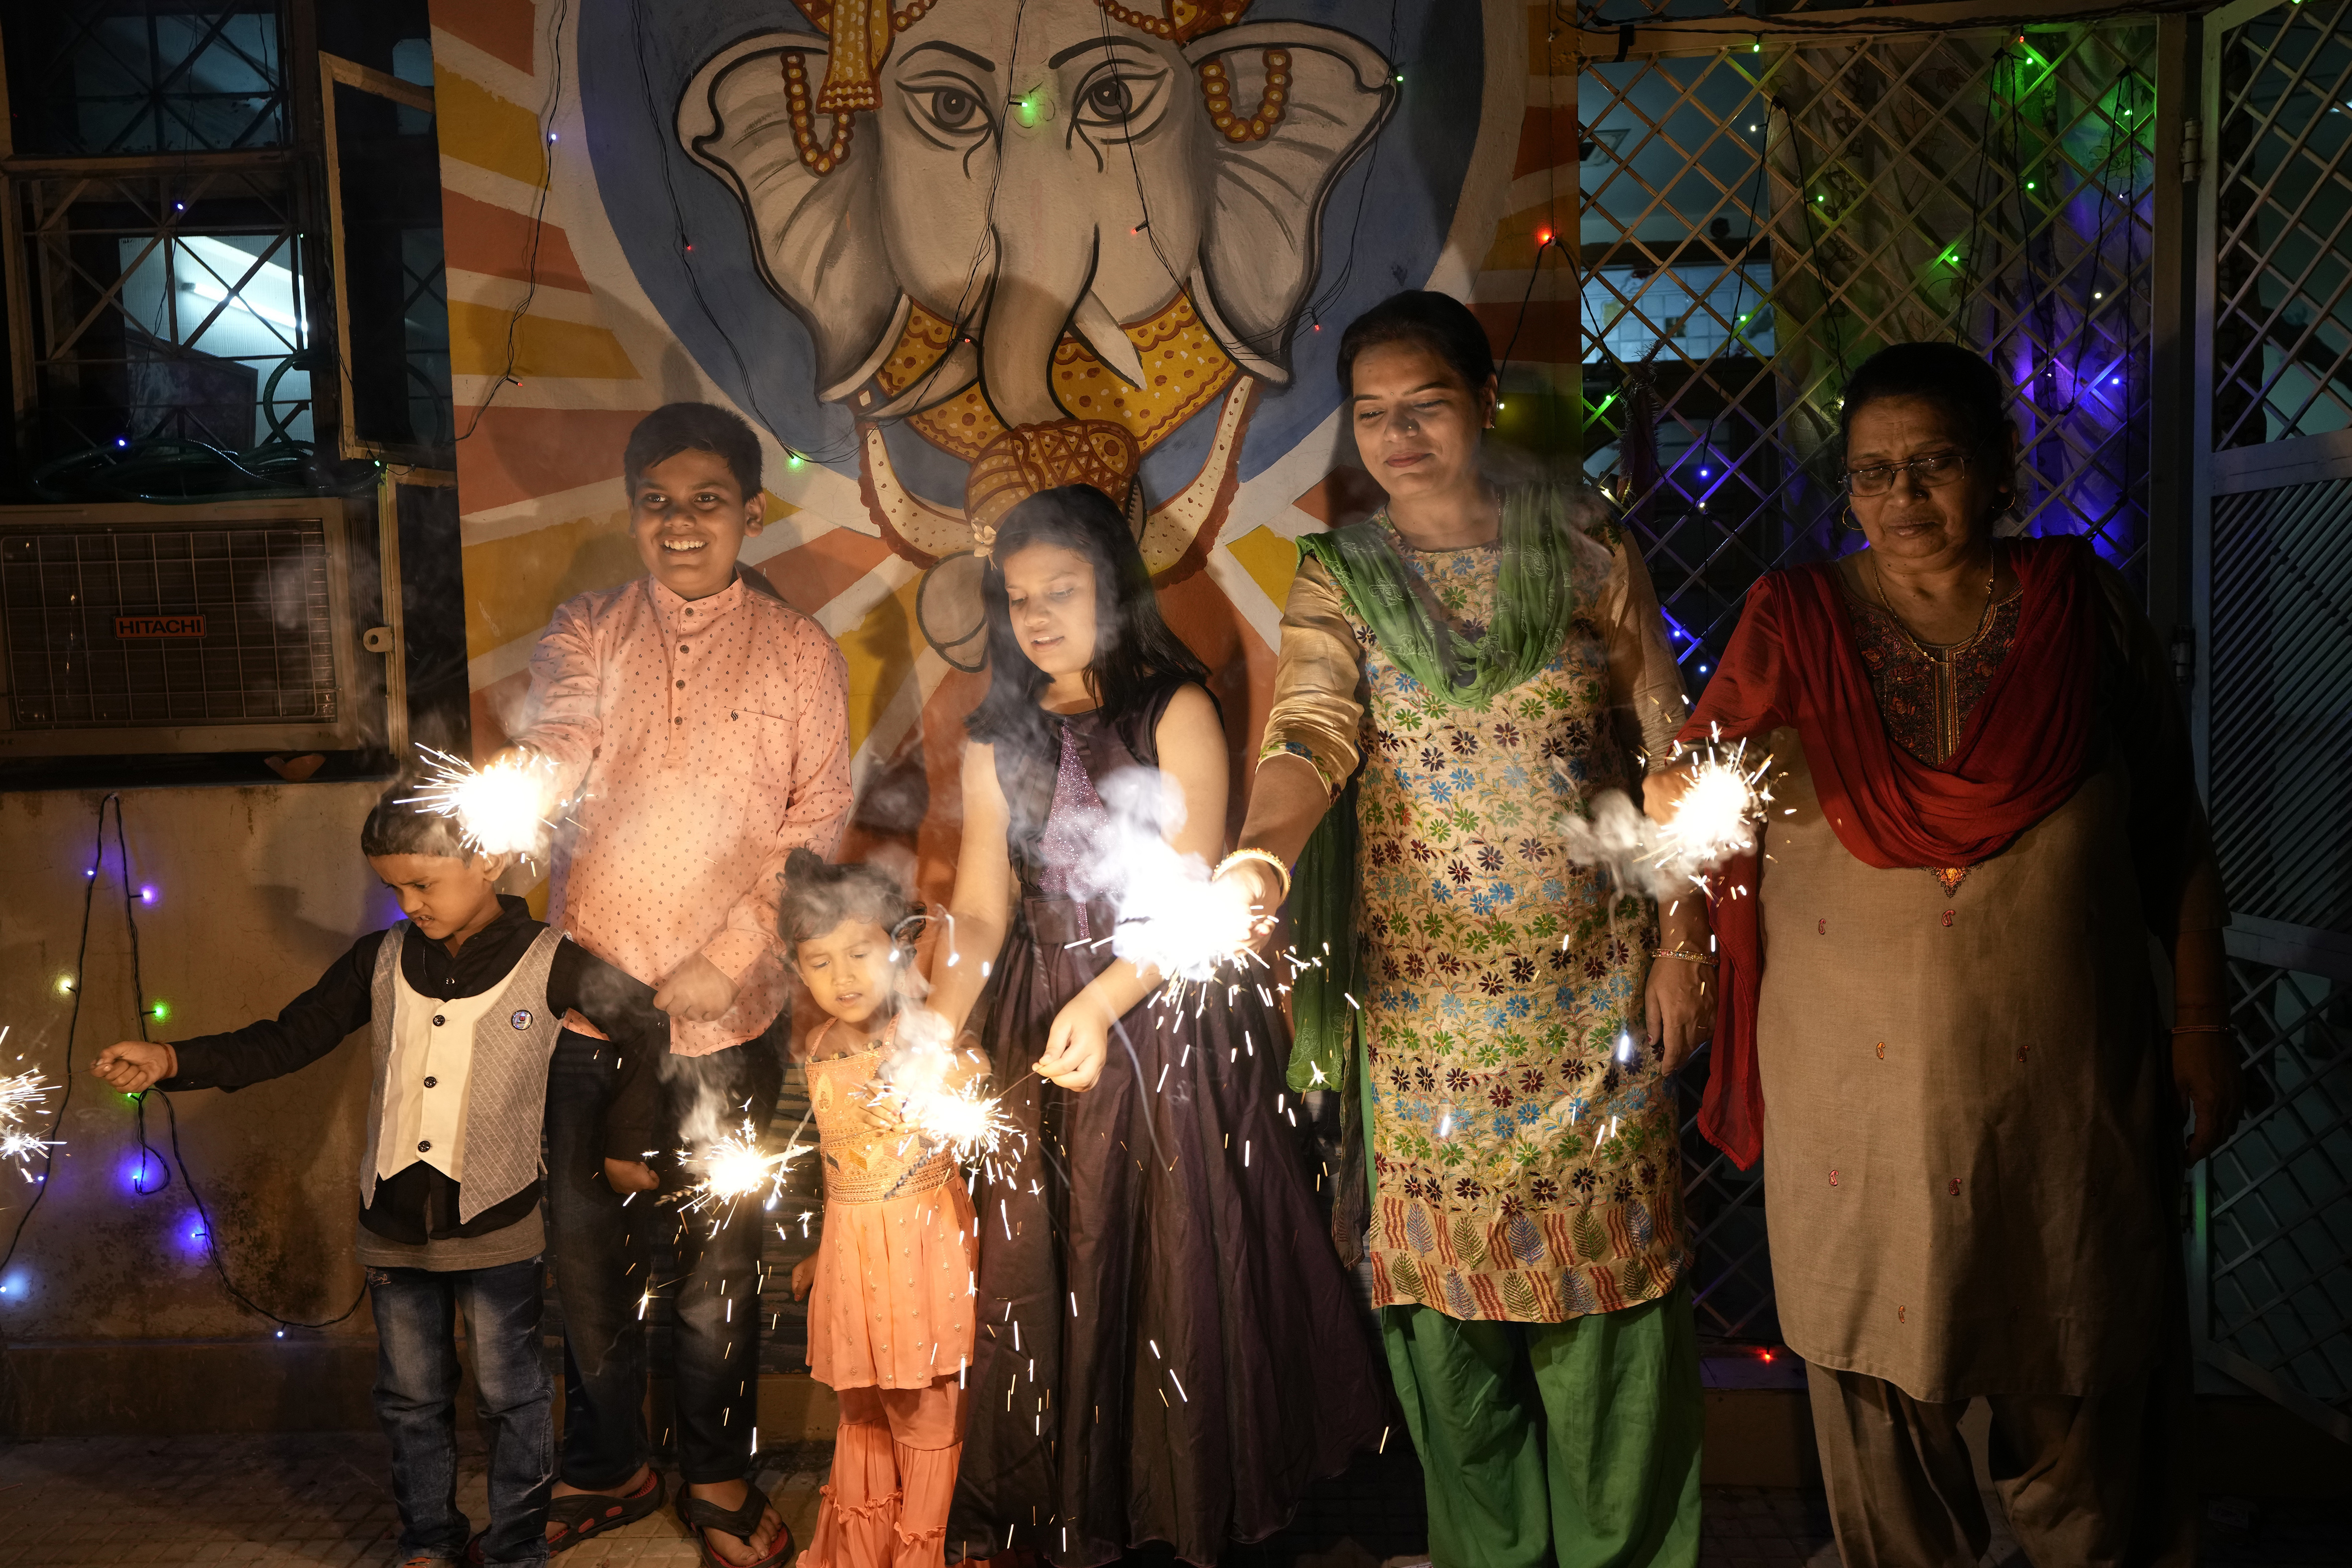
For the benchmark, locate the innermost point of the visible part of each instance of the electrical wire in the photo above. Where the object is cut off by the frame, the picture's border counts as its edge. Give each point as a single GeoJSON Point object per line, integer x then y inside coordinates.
{"type": "Point", "coordinates": [139, 995]}
{"type": "Point", "coordinates": [537, 214]}
{"type": "Point", "coordinates": [73, 1023]}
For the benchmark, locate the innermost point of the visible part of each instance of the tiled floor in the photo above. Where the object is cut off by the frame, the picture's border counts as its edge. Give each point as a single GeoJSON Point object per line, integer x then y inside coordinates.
{"type": "Point", "coordinates": [317, 1500]}
{"type": "Point", "coordinates": [321, 1500]}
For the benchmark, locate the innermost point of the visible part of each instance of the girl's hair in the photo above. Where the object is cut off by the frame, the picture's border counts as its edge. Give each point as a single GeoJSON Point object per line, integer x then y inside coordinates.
{"type": "Point", "coordinates": [399, 827]}
{"type": "Point", "coordinates": [1438, 322]}
{"type": "Point", "coordinates": [1136, 655]}
{"type": "Point", "coordinates": [1968, 387]}
{"type": "Point", "coordinates": [819, 895]}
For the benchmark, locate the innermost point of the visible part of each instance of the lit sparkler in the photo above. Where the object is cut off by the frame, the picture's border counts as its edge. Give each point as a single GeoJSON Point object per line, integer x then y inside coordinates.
{"type": "Point", "coordinates": [736, 1167]}
{"type": "Point", "coordinates": [23, 1096]}
{"type": "Point", "coordinates": [1714, 819]}
{"type": "Point", "coordinates": [1193, 929]}
{"type": "Point", "coordinates": [934, 1090]}
{"type": "Point", "coordinates": [502, 809]}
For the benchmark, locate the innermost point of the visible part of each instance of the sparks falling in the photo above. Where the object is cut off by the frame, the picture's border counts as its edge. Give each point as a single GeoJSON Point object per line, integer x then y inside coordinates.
{"type": "Point", "coordinates": [23, 1097]}
{"type": "Point", "coordinates": [502, 809]}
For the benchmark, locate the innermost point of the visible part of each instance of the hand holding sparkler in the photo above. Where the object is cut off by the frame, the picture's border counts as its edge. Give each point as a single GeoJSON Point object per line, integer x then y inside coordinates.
{"type": "Point", "coordinates": [630, 1176]}
{"type": "Point", "coordinates": [1078, 1044]}
{"type": "Point", "coordinates": [132, 1065]}
{"type": "Point", "coordinates": [500, 808]}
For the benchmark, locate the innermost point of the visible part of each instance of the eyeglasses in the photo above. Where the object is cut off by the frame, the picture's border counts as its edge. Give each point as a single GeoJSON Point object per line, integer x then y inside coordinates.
{"type": "Point", "coordinates": [1933, 472]}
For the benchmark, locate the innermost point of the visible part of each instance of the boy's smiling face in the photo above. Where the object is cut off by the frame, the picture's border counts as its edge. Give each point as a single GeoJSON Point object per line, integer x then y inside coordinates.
{"type": "Point", "coordinates": [690, 517]}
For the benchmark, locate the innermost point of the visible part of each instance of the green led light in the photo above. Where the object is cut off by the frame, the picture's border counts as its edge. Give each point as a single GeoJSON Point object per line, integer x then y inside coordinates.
{"type": "Point", "coordinates": [1025, 108]}
{"type": "Point", "coordinates": [162, 1010]}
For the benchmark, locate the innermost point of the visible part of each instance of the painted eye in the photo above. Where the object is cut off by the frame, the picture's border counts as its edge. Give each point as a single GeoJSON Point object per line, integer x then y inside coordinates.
{"type": "Point", "coordinates": [953, 108]}
{"type": "Point", "coordinates": [1109, 100]}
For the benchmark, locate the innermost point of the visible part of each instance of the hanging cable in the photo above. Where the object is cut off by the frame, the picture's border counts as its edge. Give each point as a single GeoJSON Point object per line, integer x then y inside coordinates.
{"type": "Point", "coordinates": [506, 375]}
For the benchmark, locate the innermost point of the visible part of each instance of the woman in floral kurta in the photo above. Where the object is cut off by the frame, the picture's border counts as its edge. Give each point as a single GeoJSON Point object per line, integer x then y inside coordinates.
{"type": "Point", "coordinates": [1464, 676]}
{"type": "Point", "coordinates": [1523, 1138]}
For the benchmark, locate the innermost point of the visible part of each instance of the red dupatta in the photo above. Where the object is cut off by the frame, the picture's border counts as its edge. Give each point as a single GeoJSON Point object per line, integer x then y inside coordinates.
{"type": "Point", "coordinates": [1793, 663]}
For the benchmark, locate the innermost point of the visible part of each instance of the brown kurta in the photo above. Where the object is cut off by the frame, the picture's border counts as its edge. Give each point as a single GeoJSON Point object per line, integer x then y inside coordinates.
{"type": "Point", "coordinates": [1970, 1141]}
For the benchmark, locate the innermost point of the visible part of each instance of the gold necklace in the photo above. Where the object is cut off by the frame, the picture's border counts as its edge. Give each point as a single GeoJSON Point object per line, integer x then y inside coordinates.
{"type": "Point", "coordinates": [1929, 650]}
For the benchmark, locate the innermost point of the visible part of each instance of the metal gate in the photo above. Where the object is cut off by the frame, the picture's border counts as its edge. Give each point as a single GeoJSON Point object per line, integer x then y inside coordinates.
{"type": "Point", "coordinates": [2272, 1265]}
{"type": "Point", "coordinates": [1751, 208]}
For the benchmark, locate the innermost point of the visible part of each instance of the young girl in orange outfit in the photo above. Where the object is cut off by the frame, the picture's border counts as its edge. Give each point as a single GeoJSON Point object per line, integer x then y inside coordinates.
{"type": "Point", "coordinates": [890, 1285]}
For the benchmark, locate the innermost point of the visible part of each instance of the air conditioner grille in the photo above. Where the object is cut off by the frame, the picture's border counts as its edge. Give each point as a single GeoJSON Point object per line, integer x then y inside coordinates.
{"type": "Point", "coordinates": [167, 626]}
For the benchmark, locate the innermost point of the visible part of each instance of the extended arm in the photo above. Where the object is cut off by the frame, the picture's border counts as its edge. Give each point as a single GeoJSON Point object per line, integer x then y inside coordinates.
{"type": "Point", "coordinates": [1311, 733]}
{"type": "Point", "coordinates": [1646, 699]}
{"type": "Point", "coordinates": [982, 895]}
{"type": "Point", "coordinates": [312, 1024]}
{"type": "Point", "coordinates": [1191, 745]}
{"type": "Point", "coordinates": [564, 715]}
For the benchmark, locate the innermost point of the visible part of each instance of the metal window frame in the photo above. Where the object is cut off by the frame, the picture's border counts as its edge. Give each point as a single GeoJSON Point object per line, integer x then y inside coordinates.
{"type": "Point", "coordinates": [2253, 942]}
{"type": "Point", "coordinates": [333, 70]}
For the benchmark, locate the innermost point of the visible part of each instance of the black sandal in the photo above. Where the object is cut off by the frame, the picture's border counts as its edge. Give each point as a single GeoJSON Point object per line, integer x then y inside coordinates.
{"type": "Point", "coordinates": [584, 1514]}
{"type": "Point", "coordinates": [740, 1522]}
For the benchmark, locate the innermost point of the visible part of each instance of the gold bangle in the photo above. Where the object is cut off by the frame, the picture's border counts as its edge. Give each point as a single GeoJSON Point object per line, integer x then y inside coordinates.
{"type": "Point", "coordinates": [1265, 857]}
{"type": "Point", "coordinates": [1685, 955]}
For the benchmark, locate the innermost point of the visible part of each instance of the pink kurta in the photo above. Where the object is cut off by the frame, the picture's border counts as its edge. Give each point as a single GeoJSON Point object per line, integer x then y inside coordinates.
{"type": "Point", "coordinates": [892, 1306]}
{"type": "Point", "coordinates": [713, 738]}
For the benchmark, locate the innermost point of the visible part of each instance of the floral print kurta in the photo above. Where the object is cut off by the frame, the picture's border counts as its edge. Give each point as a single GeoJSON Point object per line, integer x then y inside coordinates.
{"type": "Point", "coordinates": [1522, 1136]}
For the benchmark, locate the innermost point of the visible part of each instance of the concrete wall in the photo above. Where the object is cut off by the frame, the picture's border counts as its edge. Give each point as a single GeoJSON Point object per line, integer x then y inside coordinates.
{"type": "Point", "coordinates": [255, 891]}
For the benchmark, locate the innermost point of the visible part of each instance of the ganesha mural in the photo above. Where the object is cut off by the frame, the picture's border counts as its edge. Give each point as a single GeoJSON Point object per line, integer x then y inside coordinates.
{"type": "Point", "coordinates": [1040, 236]}
{"type": "Point", "coordinates": [1026, 242]}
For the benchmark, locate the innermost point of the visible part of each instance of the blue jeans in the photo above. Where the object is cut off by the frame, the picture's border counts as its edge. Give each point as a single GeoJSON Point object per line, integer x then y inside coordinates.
{"type": "Point", "coordinates": [715, 1336]}
{"type": "Point", "coordinates": [415, 1398]}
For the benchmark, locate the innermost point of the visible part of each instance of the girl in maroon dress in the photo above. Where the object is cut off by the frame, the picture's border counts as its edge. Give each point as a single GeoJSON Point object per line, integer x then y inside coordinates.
{"type": "Point", "coordinates": [1166, 1350]}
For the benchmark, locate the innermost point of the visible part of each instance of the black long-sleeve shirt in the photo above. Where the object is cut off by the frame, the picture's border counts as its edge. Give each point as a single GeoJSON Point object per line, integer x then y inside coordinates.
{"type": "Point", "coordinates": [419, 1203]}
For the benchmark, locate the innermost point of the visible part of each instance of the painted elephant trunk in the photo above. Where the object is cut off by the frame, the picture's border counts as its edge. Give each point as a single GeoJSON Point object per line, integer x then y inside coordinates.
{"type": "Point", "coordinates": [1046, 251]}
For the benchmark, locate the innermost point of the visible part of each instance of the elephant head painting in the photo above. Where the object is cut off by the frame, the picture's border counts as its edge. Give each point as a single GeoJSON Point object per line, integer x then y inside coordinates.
{"type": "Point", "coordinates": [1041, 236]}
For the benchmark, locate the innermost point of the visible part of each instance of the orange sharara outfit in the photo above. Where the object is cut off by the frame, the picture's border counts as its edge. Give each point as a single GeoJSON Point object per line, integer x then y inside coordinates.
{"type": "Point", "coordinates": [889, 1323]}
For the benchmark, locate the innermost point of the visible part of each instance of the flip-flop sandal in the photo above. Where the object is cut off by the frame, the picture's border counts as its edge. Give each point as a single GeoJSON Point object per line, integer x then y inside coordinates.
{"type": "Point", "coordinates": [740, 1522]}
{"type": "Point", "coordinates": [584, 1514]}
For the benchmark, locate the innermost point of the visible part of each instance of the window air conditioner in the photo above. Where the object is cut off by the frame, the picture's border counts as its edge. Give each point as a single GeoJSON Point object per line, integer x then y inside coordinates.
{"type": "Point", "coordinates": [225, 626]}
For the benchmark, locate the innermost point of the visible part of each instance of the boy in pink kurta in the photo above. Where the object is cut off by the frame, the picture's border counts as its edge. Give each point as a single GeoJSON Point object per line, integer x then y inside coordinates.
{"type": "Point", "coordinates": [701, 726]}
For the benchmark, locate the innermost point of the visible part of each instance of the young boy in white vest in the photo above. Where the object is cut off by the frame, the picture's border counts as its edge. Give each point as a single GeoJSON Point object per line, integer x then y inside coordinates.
{"type": "Point", "coordinates": [462, 1000]}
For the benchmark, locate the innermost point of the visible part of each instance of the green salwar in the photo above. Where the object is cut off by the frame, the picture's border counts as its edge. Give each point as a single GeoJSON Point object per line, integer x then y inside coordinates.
{"type": "Point", "coordinates": [1574, 1444]}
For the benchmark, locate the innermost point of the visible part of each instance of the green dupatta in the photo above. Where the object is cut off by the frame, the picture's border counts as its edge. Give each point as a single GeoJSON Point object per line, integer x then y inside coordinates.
{"type": "Point", "coordinates": [1535, 605]}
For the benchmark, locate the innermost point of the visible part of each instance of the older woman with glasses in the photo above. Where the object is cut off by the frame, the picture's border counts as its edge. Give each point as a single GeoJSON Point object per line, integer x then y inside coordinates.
{"type": "Point", "coordinates": [1940, 1019]}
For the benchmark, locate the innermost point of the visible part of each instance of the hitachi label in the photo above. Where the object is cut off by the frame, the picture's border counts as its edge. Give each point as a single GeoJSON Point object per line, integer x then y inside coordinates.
{"type": "Point", "coordinates": [158, 626]}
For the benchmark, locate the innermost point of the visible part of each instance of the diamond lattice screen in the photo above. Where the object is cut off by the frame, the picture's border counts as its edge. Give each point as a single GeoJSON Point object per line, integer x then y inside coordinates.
{"type": "Point", "coordinates": [1703, 249]}
{"type": "Point", "coordinates": [2278, 1247]}
{"type": "Point", "coordinates": [2282, 255]}
{"type": "Point", "coordinates": [2280, 759]}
